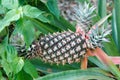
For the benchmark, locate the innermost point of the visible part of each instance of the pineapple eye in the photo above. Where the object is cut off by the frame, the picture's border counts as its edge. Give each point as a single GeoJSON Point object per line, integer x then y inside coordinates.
{"type": "Point", "coordinates": [78, 40]}
{"type": "Point", "coordinates": [46, 46]}
{"type": "Point", "coordinates": [51, 43]}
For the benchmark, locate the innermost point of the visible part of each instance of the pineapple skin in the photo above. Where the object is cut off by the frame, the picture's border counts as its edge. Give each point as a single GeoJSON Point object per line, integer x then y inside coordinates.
{"type": "Point", "coordinates": [59, 48]}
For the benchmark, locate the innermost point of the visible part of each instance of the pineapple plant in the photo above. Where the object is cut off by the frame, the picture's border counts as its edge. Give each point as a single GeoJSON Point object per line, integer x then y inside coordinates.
{"type": "Point", "coordinates": [60, 48]}
{"type": "Point", "coordinates": [69, 46]}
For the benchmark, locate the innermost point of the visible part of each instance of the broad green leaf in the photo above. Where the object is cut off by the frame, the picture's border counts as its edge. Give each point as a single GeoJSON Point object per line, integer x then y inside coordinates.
{"type": "Point", "coordinates": [43, 18]}
{"type": "Point", "coordinates": [7, 61]}
{"type": "Point", "coordinates": [10, 4]}
{"type": "Point", "coordinates": [34, 12]}
{"type": "Point", "coordinates": [3, 46]}
{"type": "Point", "coordinates": [28, 32]}
{"type": "Point", "coordinates": [43, 27]}
{"type": "Point", "coordinates": [12, 15]}
{"type": "Point", "coordinates": [31, 12]}
{"type": "Point", "coordinates": [3, 33]}
{"type": "Point", "coordinates": [9, 54]}
{"type": "Point", "coordinates": [6, 66]}
{"type": "Point", "coordinates": [53, 8]}
{"type": "Point", "coordinates": [26, 28]}
{"type": "Point", "coordinates": [76, 75]}
{"type": "Point", "coordinates": [30, 69]}
{"type": "Point", "coordinates": [2, 10]}
{"type": "Point", "coordinates": [22, 75]}
{"type": "Point", "coordinates": [40, 26]}
{"type": "Point", "coordinates": [1, 76]}
{"type": "Point", "coordinates": [10, 62]}
{"type": "Point", "coordinates": [53, 26]}
{"type": "Point", "coordinates": [17, 65]}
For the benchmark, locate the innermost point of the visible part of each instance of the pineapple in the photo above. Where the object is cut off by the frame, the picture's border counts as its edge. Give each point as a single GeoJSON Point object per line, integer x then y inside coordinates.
{"type": "Point", "coordinates": [65, 47]}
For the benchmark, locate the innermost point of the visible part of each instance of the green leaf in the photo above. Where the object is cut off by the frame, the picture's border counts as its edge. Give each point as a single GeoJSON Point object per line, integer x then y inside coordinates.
{"type": "Point", "coordinates": [10, 62]}
{"type": "Point", "coordinates": [3, 46]}
{"type": "Point", "coordinates": [114, 28]}
{"type": "Point", "coordinates": [30, 69]}
{"type": "Point", "coordinates": [6, 66]}
{"type": "Point", "coordinates": [116, 23]}
{"type": "Point", "coordinates": [1, 77]}
{"type": "Point", "coordinates": [12, 15]}
{"type": "Point", "coordinates": [43, 27]}
{"type": "Point", "coordinates": [34, 12]}
{"type": "Point", "coordinates": [53, 26]}
{"type": "Point", "coordinates": [28, 33]}
{"type": "Point", "coordinates": [76, 75]}
{"type": "Point", "coordinates": [2, 10]}
{"type": "Point", "coordinates": [11, 53]}
{"type": "Point", "coordinates": [31, 12]}
{"type": "Point", "coordinates": [10, 4]}
{"type": "Point", "coordinates": [2, 50]}
{"type": "Point", "coordinates": [102, 10]}
{"type": "Point", "coordinates": [60, 23]}
{"type": "Point", "coordinates": [98, 63]}
{"type": "Point", "coordinates": [110, 47]}
{"type": "Point", "coordinates": [26, 28]}
{"type": "Point", "coordinates": [48, 68]}
{"type": "Point", "coordinates": [17, 65]}
{"type": "Point", "coordinates": [43, 18]}
{"type": "Point", "coordinates": [40, 26]}
{"type": "Point", "coordinates": [53, 8]}
{"type": "Point", "coordinates": [22, 75]}
{"type": "Point", "coordinates": [101, 21]}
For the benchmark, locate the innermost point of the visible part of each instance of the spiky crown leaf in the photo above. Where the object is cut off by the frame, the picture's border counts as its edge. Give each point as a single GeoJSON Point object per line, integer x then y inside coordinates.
{"type": "Point", "coordinates": [83, 15]}
{"type": "Point", "coordinates": [98, 36]}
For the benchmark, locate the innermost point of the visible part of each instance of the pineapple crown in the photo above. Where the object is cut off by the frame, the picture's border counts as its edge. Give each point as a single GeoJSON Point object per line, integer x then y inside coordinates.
{"type": "Point", "coordinates": [83, 15]}
{"type": "Point", "coordinates": [98, 35]}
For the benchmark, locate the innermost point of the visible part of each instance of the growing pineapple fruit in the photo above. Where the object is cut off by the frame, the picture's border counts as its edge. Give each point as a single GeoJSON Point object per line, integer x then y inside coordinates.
{"type": "Point", "coordinates": [67, 46]}
{"type": "Point", "coordinates": [60, 47]}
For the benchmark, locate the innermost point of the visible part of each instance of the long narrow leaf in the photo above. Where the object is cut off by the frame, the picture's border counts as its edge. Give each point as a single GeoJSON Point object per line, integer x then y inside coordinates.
{"type": "Point", "coordinates": [116, 23]}
{"type": "Point", "coordinates": [77, 75]}
{"type": "Point", "coordinates": [102, 11]}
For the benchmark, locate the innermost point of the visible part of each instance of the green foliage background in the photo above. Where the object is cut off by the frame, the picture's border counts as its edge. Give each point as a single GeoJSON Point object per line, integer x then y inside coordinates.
{"type": "Point", "coordinates": [35, 17]}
